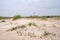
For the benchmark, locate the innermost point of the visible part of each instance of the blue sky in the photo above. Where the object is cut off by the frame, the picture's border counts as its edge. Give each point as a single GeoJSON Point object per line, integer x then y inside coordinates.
{"type": "Point", "coordinates": [28, 7]}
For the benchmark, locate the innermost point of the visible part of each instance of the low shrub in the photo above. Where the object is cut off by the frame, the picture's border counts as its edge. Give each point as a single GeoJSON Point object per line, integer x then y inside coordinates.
{"type": "Point", "coordinates": [16, 17]}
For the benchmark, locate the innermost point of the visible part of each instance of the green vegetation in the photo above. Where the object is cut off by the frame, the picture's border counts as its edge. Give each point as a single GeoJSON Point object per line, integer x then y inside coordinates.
{"type": "Point", "coordinates": [2, 17]}
{"type": "Point", "coordinates": [33, 17]}
{"type": "Point", "coordinates": [44, 17]}
{"type": "Point", "coordinates": [22, 26]}
{"type": "Point", "coordinates": [30, 24]}
{"type": "Point", "coordinates": [16, 17]}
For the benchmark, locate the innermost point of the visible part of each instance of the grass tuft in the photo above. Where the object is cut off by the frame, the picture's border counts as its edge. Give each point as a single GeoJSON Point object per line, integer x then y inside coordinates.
{"type": "Point", "coordinates": [32, 24]}
{"type": "Point", "coordinates": [23, 26]}
{"type": "Point", "coordinates": [46, 33]}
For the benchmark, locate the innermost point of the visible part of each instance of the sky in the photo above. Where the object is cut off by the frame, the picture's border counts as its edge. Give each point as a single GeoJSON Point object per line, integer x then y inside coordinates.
{"type": "Point", "coordinates": [29, 7]}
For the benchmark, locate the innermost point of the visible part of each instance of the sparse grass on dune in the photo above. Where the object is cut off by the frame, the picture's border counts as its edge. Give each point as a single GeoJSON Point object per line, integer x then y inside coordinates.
{"type": "Point", "coordinates": [22, 26]}
{"type": "Point", "coordinates": [46, 34]}
{"type": "Point", "coordinates": [33, 28]}
{"type": "Point", "coordinates": [15, 28]}
{"type": "Point", "coordinates": [32, 24]}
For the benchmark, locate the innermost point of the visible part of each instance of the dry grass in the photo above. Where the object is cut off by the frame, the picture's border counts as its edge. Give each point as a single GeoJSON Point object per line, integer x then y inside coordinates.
{"type": "Point", "coordinates": [48, 33]}
{"type": "Point", "coordinates": [3, 21]}
{"type": "Point", "coordinates": [17, 27]}
{"type": "Point", "coordinates": [23, 26]}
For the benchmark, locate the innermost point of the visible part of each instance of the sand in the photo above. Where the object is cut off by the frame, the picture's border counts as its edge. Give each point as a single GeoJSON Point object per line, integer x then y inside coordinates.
{"type": "Point", "coordinates": [49, 26]}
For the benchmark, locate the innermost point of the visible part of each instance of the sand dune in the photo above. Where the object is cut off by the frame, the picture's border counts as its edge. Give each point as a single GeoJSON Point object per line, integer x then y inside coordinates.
{"type": "Point", "coordinates": [45, 29]}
